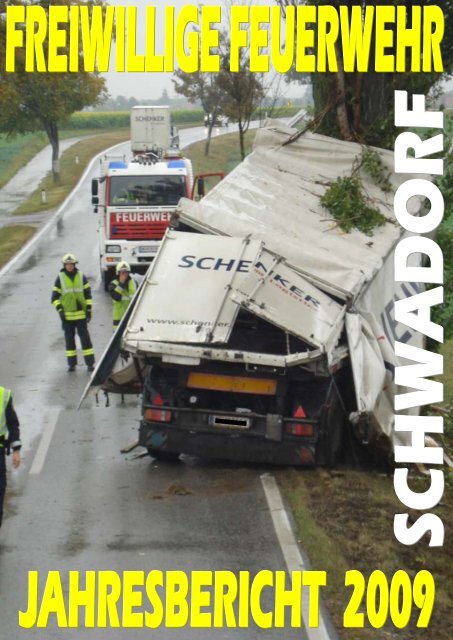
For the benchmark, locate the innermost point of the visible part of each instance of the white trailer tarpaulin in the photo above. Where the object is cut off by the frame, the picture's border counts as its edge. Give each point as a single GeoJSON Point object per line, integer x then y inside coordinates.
{"type": "Point", "coordinates": [277, 293]}
{"type": "Point", "coordinates": [275, 196]}
{"type": "Point", "coordinates": [197, 284]}
{"type": "Point", "coordinates": [186, 297]}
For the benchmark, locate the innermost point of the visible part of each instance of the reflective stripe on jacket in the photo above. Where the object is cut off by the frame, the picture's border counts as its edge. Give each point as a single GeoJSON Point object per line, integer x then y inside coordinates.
{"type": "Point", "coordinates": [72, 298]}
{"type": "Point", "coordinates": [120, 306]}
{"type": "Point", "coordinates": [5, 395]}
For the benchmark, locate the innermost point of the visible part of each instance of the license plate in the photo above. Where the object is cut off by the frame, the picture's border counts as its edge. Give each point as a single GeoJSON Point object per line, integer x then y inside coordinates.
{"type": "Point", "coordinates": [237, 384]}
{"type": "Point", "coordinates": [229, 422]}
{"type": "Point", "coordinates": [150, 249]}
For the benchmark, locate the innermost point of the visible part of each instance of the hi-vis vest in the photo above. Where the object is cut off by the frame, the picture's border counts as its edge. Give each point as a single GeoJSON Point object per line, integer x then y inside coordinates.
{"type": "Point", "coordinates": [72, 298]}
{"type": "Point", "coordinates": [5, 395]}
{"type": "Point", "coordinates": [120, 306]}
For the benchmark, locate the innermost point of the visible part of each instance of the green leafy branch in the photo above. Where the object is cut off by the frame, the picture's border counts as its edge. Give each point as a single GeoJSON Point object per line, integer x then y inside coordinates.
{"type": "Point", "coordinates": [347, 200]}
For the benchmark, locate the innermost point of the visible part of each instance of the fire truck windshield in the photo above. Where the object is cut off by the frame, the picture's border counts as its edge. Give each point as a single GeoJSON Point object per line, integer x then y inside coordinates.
{"type": "Point", "coordinates": [146, 190]}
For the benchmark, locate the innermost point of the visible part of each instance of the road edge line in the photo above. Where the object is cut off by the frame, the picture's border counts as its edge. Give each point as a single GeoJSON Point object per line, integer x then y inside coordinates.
{"type": "Point", "coordinates": [291, 552]}
{"type": "Point", "coordinates": [44, 444]}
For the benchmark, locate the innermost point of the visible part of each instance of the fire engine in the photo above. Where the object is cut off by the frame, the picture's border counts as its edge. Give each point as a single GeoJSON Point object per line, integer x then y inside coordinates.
{"type": "Point", "coordinates": [135, 201]}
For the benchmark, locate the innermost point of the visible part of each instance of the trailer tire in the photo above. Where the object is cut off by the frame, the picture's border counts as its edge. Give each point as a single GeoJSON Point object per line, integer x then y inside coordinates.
{"type": "Point", "coordinates": [163, 456]}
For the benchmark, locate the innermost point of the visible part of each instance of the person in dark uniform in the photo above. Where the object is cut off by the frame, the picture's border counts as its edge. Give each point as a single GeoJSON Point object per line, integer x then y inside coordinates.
{"type": "Point", "coordinates": [71, 297]}
{"type": "Point", "coordinates": [9, 440]}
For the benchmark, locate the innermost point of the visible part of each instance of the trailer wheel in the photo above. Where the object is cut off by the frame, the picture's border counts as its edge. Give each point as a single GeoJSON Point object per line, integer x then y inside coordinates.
{"type": "Point", "coordinates": [163, 456]}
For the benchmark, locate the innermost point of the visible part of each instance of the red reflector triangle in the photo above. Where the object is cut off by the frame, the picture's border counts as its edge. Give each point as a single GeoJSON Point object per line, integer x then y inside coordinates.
{"type": "Point", "coordinates": [158, 400]}
{"type": "Point", "coordinates": [300, 413]}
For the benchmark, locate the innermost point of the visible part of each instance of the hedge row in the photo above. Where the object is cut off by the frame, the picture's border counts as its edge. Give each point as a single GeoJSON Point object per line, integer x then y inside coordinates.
{"type": "Point", "coordinates": [118, 119]}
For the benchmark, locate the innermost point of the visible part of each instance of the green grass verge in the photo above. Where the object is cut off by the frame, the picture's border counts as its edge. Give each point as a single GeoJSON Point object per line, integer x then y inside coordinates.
{"type": "Point", "coordinates": [344, 521]}
{"type": "Point", "coordinates": [70, 171]}
{"type": "Point", "coordinates": [12, 238]}
{"type": "Point", "coordinates": [224, 154]}
{"type": "Point", "coordinates": [14, 154]}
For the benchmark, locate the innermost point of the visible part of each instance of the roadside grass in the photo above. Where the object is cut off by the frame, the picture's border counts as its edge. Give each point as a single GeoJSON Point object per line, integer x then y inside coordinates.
{"type": "Point", "coordinates": [447, 379]}
{"type": "Point", "coordinates": [224, 155]}
{"type": "Point", "coordinates": [14, 154]}
{"type": "Point", "coordinates": [344, 521]}
{"type": "Point", "coordinates": [70, 171]}
{"type": "Point", "coordinates": [11, 240]}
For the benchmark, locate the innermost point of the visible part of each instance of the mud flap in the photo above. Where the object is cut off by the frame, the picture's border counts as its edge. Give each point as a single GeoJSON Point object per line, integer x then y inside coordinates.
{"type": "Point", "coordinates": [274, 424]}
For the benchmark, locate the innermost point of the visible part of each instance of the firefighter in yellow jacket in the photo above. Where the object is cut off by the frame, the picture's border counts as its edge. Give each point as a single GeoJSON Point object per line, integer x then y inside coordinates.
{"type": "Point", "coordinates": [122, 290]}
{"type": "Point", "coordinates": [71, 297]}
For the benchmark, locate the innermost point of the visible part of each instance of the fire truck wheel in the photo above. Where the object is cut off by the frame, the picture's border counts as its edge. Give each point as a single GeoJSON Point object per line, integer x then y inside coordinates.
{"type": "Point", "coordinates": [163, 456]}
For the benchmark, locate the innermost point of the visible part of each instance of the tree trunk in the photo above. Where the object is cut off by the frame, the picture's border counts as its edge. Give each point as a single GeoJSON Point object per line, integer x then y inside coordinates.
{"type": "Point", "coordinates": [241, 139]}
{"type": "Point", "coordinates": [208, 139]}
{"type": "Point", "coordinates": [52, 133]}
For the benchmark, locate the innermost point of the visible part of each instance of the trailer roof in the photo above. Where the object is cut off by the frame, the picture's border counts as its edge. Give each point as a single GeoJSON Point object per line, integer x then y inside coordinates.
{"type": "Point", "coordinates": [275, 196]}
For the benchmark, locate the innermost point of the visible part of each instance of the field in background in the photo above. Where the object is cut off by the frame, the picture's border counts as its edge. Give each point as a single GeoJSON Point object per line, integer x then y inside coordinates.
{"type": "Point", "coordinates": [193, 117]}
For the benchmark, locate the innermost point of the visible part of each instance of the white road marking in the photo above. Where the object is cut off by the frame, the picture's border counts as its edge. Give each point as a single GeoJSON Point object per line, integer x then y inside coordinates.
{"type": "Point", "coordinates": [291, 552]}
{"type": "Point", "coordinates": [46, 438]}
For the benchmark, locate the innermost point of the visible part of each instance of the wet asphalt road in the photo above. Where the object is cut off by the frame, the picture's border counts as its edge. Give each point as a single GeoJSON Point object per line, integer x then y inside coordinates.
{"type": "Point", "coordinates": [86, 506]}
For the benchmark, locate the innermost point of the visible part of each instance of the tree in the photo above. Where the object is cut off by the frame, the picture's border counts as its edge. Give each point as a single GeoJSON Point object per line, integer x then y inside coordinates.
{"type": "Point", "coordinates": [202, 87]}
{"type": "Point", "coordinates": [164, 98]}
{"type": "Point", "coordinates": [243, 92]}
{"type": "Point", "coordinates": [42, 101]}
{"type": "Point", "coordinates": [359, 106]}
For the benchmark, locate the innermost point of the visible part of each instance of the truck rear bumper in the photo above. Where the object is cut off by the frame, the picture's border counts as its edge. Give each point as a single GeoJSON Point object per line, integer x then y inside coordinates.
{"type": "Point", "coordinates": [231, 446]}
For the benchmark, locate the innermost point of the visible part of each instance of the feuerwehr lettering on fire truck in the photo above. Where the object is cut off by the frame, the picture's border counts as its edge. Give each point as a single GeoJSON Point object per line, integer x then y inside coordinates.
{"type": "Point", "coordinates": [142, 216]}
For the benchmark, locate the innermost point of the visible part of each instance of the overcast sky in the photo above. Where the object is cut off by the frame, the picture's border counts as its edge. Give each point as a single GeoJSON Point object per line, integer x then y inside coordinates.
{"type": "Point", "coordinates": [151, 85]}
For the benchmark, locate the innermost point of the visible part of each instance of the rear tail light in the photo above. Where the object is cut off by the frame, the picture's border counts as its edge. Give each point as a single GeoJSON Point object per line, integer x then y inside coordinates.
{"type": "Point", "coordinates": [299, 429]}
{"type": "Point", "coordinates": [157, 415]}
{"type": "Point", "coordinates": [303, 429]}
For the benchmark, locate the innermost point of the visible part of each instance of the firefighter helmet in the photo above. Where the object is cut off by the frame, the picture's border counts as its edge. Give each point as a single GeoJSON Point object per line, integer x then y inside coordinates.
{"type": "Point", "coordinates": [69, 258]}
{"type": "Point", "coordinates": [122, 266]}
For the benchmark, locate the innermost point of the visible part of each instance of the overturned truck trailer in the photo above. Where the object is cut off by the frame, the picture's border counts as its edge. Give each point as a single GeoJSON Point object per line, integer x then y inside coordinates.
{"type": "Point", "coordinates": [262, 331]}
